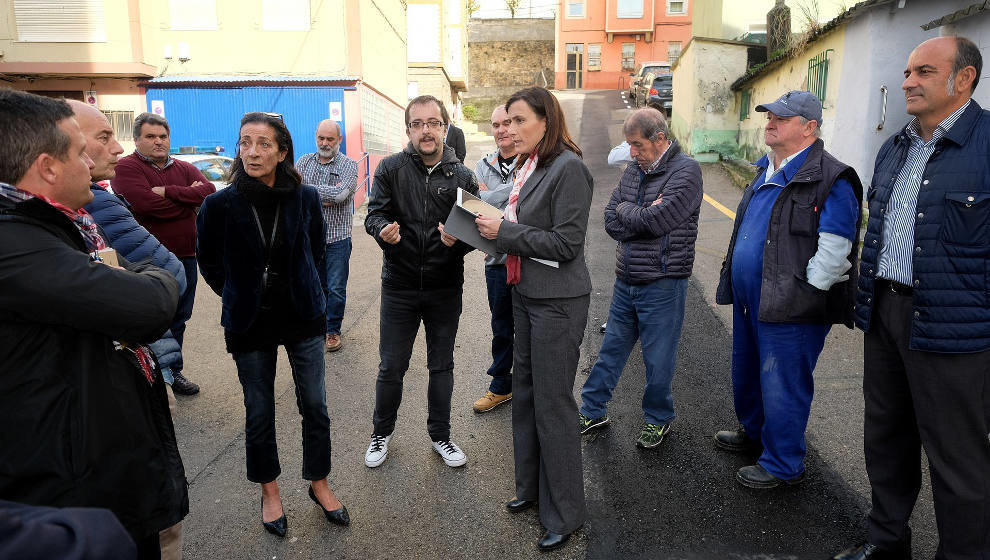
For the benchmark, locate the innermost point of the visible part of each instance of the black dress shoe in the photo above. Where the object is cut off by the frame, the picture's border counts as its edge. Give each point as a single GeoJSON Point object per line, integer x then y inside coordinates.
{"type": "Point", "coordinates": [182, 386]}
{"type": "Point", "coordinates": [736, 441]}
{"type": "Point", "coordinates": [515, 505]}
{"type": "Point", "coordinates": [755, 476]}
{"type": "Point", "coordinates": [552, 541]}
{"type": "Point", "coordinates": [278, 527]}
{"type": "Point", "coordinates": [338, 516]}
{"type": "Point", "coordinates": [867, 551]}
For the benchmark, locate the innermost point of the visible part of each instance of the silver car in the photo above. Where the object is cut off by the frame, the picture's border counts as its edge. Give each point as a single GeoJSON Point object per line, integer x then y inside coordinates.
{"type": "Point", "coordinates": [212, 166]}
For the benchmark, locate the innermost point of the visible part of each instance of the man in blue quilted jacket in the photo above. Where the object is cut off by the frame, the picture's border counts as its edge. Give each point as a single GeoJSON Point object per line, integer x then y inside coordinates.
{"type": "Point", "coordinates": [653, 215]}
{"type": "Point", "coordinates": [136, 244]}
{"type": "Point", "coordinates": [924, 303]}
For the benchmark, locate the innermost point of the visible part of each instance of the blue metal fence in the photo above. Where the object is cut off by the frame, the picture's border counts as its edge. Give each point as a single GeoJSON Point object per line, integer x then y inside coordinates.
{"type": "Point", "coordinates": [202, 116]}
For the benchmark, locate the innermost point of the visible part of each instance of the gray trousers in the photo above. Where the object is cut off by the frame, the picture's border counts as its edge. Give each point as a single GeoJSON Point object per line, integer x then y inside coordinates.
{"type": "Point", "coordinates": [545, 437]}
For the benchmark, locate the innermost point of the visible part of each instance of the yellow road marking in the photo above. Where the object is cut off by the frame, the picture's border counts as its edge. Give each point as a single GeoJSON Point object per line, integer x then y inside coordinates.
{"type": "Point", "coordinates": [720, 208]}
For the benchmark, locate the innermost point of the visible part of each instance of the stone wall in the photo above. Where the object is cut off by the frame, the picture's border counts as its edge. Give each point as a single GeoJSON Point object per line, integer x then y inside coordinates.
{"type": "Point", "coordinates": [505, 56]}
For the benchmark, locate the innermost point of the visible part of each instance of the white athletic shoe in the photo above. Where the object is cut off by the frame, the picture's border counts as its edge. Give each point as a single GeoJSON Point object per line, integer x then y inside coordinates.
{"type": "Point", "coordinates": [452, 455]}
{"type": "Point", "coordinates": [377, 451]}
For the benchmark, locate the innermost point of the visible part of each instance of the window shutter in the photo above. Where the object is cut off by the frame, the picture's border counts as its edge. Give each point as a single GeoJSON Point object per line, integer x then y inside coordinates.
{"type": "Point", "coordinates": [61, 21]}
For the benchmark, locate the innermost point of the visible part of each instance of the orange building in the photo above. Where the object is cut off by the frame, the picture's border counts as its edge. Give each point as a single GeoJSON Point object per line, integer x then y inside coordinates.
{"type": "Point", "coordinates": [600, 42]}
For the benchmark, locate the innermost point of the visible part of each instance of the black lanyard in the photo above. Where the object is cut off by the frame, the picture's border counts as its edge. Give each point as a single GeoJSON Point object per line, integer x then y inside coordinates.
{"type": "Point", "coordinates": [271, 243]}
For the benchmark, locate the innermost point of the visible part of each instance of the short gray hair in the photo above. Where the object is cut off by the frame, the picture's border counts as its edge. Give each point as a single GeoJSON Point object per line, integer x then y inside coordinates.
{"type": "Point", "coordinates": [818, 126]}
{"type": "Point", "coordinates": [149, 118]}
{"type": "Point", "coordinates": [648, 122]}
{"type": "Point", "coordinates": [30, 125]}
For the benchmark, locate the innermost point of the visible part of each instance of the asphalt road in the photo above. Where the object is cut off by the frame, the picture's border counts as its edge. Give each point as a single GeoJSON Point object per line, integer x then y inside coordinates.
{"type": "Point", "coordinates": [679, 501]}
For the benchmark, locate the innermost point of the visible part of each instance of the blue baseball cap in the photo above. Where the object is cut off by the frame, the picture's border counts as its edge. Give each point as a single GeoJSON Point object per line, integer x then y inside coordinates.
{"type": "Point", "coordinates": [795, 103]}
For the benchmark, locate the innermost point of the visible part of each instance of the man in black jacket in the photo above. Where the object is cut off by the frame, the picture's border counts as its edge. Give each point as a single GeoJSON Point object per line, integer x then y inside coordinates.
{"type": "Point", "coordinates": [422, 272]}
{"type": "Point", "coordinates": [653, 215]}
{"type": "Point", "coordinates": [86, 421]}
{"type": "Point", "coordinates": [786, 273]}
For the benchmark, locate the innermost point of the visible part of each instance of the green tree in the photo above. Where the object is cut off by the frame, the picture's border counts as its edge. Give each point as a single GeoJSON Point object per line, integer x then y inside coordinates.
{"type": "Point", "coordinates": [472, 7]}
{"type": "Point", "coordinates": [512, 5]}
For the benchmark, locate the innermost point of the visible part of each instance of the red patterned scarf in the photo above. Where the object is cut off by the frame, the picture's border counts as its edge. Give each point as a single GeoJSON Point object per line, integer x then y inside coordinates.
{"type": "Point", "coordinates": [513, 266]}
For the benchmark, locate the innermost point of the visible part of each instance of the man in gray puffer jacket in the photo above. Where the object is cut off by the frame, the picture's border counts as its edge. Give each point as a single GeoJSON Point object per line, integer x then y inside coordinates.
{"type": "Point", "coordinates": [653, 215]}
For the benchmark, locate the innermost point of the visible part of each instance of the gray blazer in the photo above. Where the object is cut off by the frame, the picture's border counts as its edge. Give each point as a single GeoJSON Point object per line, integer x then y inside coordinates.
{"type": "Point", "coordinates": [553, 219]}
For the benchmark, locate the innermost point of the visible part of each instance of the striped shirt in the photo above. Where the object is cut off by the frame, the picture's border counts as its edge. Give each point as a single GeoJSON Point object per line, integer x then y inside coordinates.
{"type": "Point", "coordinates": [336, 181]}
{"type": "Point", "coordinates": [896, 249]}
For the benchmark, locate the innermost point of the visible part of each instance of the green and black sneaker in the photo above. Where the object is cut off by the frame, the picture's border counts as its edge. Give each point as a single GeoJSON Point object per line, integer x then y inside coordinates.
{"type": "Point", "coordinates": [586, 424]}
{"type": "Point", "coordinates": [652, 435]}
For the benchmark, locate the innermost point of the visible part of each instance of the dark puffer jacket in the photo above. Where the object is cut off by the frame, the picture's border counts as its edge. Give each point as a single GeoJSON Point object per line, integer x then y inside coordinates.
{"type": "Point", "coordinates": [951, 257]}
{"type": "Point", "coordinates": [404, 191]}
{"type": "Point", "coordinates": [656, 242]}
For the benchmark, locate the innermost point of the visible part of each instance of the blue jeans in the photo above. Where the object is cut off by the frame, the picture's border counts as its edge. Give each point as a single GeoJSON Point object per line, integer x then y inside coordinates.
{"type": "Point", "coordinates": [500, 304]}
{"type": "Point", "coordinates": [256, 371]}
{"type": "Point", "coordinates": [652, 313]}
{"type": "Point", "coordinates": [772, 385]}
{"type": "Point", "coordinates": [185, 308]}
{"type": "Point", "coordinates": [338, 264]}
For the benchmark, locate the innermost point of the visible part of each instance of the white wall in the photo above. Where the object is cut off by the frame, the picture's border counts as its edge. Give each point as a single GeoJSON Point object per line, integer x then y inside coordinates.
{"type": "Point", "coordinates": [886, 36]}
{"type": "Point", "coordinates": [977, 29]}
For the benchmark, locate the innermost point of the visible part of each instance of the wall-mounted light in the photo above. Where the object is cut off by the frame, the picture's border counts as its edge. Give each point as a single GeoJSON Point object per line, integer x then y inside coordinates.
{"type": "Point", "coordinates": [183, 52]}
{"type": "Point", "coordinates": [167, 52]}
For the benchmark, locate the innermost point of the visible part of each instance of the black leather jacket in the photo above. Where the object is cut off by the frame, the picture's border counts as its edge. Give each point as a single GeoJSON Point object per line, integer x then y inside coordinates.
{"type": "Point", "coordinates": [405, 191]}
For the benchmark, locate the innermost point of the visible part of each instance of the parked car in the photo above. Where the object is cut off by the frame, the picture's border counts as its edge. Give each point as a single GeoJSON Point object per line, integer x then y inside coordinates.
{"type": "Point", "coordinates": [657, 67]}
{"type": "Point", "coordinates": [212, 166]}
{"type": "Point", "coordinates": [660, 92]}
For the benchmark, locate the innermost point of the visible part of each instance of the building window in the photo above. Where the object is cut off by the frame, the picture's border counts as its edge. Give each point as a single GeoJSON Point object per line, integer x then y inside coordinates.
{"type": "Point", "coordinates": [676, 7]}
{"type": "Point", "coordinates": [66, 21]}
{"type": "Point", "coordinates": [629, 9]}
{"type": "Point", "coordinates": [673, 51]}
{"type": "Point", "coordinates": [122, 123]}
{"type": "Point", "coordinates": [744, 100]}
{"type": "Point", "coordinates": [628, 56]}
{"type": "Point", "coordinates": [594, 57]}
{"type": "Point", "coordinates": [192, 15]}
{"type": "Point", "coordinates": [575, 8]}
{"type": "Point", "coordinates": [285, 15]}
{"type": "Point", "coordinates": [818, 75]}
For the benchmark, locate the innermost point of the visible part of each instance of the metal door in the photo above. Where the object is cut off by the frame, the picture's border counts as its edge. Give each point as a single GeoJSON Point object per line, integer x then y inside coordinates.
{"type": "Point", "coordinates": [574, 69]}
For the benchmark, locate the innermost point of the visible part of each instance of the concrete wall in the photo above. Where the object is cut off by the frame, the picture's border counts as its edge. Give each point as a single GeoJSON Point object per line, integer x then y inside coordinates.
{"type": "Point", "coordinates": [431, 81]}
{"type": "Point", "coordinates": [790, 75]}
{"type": "Point", "coordinates": [888, 36]}
{"type": "Point", "coordinates": [705, 115]}
{"type": "Point", "coordinates": [382, 38]}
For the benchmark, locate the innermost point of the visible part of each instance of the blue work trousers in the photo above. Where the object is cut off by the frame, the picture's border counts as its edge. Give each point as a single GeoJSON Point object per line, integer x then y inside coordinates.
{"type": "Point", "coordinates": [652, 313]}
{"type": "Point", "coordinates": [772, 365]}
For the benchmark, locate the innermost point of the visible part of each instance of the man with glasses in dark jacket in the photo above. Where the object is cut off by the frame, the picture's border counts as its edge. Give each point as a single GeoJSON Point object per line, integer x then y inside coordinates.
{"type": "Point", "coordinates": [653, 214]}
{"type": "Point", "coordinates": [422, 272]}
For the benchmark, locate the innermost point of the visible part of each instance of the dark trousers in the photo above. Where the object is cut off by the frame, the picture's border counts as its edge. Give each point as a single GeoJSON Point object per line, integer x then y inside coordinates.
{"type": "Point", "coordinates": [401, 313]}
{"type": "Point", "coordinates": [937, 401]}
{"type": "Point", "coordinates": [500, 304]}
{"type": "Point", "coordinates": [545, 437]}
{"type": "Point", "coordinates": [256, 370]}
{"type": "Point", "coordinates": [185, 308]}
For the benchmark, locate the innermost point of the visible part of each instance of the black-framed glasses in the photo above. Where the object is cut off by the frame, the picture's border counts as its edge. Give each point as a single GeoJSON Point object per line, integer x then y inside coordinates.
{"type": "Point", "coordinates": [432, 123]}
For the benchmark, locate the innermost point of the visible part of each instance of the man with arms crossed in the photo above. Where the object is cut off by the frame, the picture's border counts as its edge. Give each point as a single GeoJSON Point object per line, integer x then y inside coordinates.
{"type": "Point", "coordinates": [334, 176]}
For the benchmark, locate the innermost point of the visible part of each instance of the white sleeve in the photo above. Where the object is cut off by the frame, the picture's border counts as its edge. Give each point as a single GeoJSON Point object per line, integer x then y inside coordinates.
{"type": "Point", "coordinates": [620, 155]}
{"type": "Point", "coordinates": [828, 266]}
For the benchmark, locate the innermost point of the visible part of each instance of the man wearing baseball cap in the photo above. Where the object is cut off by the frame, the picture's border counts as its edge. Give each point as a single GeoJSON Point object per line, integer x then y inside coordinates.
{"type": "Point", "coordinates": [787, 275]}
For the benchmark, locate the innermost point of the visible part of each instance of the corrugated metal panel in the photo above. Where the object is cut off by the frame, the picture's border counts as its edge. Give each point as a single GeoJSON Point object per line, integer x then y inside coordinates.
{"type": "Point", "coordinates": [210, 116]}
{"type": "Point", "coordinates": [237, 79]}
{"type": "Point", "coordinates": [60, 21]}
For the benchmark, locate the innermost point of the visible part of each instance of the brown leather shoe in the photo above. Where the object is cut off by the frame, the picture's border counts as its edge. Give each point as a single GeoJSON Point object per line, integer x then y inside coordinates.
{"type": "Point", "coordinates": [334, 343]}
{"type": "Point", "coordinates": [490, 401]}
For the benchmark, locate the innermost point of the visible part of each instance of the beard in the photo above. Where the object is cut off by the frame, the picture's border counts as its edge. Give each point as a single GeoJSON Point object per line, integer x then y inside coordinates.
{"type": "Point", "coordinates": [327, 152]}
{"type": "Point", "coordinates": [437, 145]}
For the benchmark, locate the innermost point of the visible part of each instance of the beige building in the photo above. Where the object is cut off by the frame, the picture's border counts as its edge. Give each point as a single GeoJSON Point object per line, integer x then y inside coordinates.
{"type": "Point", "coordinates": [438, 51]}
{"type": "Point", "coordinates": [112, 52]}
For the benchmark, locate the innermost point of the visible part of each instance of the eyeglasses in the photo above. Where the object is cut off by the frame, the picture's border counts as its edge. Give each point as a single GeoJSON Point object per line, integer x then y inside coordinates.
{"type": "Point", "coordinates": [272, 115]}
{"type": "Point", "coordinates": [432, 123]}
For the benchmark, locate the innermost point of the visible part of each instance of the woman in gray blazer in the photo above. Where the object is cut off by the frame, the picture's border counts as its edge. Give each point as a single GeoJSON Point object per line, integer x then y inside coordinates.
{"type": "Point", "coordinates": [543, 234]}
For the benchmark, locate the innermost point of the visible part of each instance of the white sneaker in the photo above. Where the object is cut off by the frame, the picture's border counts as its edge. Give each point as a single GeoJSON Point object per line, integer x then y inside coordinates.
{"type": "Point", "coordinates": [452, 455]}
{"type": "Point", "coordinates": [377, 451]}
